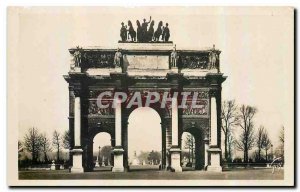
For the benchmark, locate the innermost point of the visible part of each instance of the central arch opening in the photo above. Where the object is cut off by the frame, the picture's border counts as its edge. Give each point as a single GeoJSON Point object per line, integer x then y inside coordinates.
{"type": "Point", "coordinates": [144, 139]}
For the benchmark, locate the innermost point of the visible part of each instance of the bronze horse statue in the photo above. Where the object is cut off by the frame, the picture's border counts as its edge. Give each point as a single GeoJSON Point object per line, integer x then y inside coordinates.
{"type": "Point", "coordinates": [158, 31]}
{"type": "Point", "coordinates": [150, 32]}
{"type": "Point", "coordinates": [131, 32]}
{"type": "Point", "coordinates": [139, 31]}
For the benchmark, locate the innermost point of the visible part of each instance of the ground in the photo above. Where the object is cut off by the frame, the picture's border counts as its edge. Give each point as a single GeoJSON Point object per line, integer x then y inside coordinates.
{"type": "Point", "coordinates": [152, 173]}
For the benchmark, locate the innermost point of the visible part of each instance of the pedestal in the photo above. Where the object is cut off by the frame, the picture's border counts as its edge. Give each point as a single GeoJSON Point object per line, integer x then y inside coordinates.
{"type": "Point", "coordinates": [52, 165]}
{"type": "Point", "coordinates": [77, 161]}
{"type": "Point", "coordinates": [97, 164]}
{"type": "Point", "coordinates": [215, 158]}
{"type": "Point", "coordinates": [118, 159]}
{"type": "Point", "coordinates": [175, 159]}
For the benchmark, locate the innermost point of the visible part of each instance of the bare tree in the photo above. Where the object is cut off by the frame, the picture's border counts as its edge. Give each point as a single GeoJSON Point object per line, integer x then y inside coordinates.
{"type": "Point", "coordinates": [189, 144]}
{"type": "Point", "coordinates": [281, 135]}
{"type": "Point", "coordinates": [32, 143]}
{"type": "Point", "coordinates": [259, 140]}
{"type": "Point", "coordinates": [231, 142]}
{"type": "Point", "coordinates": [56, 141]}
{"type": "Point", "coordinates": [246, 139]}
{"type": "Point", "coordinates": [266, 143]}
{"type": "Point", "coordinates": [281, 140]}
{"type": "Point", "coordinates": [20, 146]}
{"type": "Point", "coordinates": [45, 146]}
{"type": "Point", "coordinates": [230, 119]}
{"type": "Point", "coordinates": [66, 140]}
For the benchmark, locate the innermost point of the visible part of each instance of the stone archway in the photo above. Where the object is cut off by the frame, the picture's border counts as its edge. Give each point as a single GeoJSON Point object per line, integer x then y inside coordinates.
{"type": "Point", "coordinates": [199, 148]}
{"type": "Point", "coordinates": [149, 70]}
{"type": "Point", "coordinates": [148, 122]}
{"type": "Point", "coordinates": [88, 150]}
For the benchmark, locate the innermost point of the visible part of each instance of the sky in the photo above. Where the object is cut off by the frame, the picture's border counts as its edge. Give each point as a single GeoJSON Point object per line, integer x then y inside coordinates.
{"type": "Point", "coordinates": [256, 44]}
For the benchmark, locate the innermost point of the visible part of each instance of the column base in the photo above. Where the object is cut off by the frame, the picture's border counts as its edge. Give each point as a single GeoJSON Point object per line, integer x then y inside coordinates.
{"type": "Point", "coordinates": [77, 170]}
{"type": "Point", "coordinates": [175, 160]}
{"type": "Point", "coordinates": [118, 169]}
{"type": "Point", "coordinates": [215, 159]}
{"type": "Point", "coordinates": [77, 161]}
{"type": "Point", "coordinates": [118, 159]}
{"type": "Point", "coordinates": [214, 168]}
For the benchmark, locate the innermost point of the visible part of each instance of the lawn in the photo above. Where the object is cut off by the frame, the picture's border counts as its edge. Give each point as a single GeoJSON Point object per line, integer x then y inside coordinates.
{"type": "Point", "coordinates": [152, 173]}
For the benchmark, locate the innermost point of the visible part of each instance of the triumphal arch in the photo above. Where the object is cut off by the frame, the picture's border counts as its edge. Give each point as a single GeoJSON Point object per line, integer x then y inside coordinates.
{"type": "Point", "coordinates": [152, 73]}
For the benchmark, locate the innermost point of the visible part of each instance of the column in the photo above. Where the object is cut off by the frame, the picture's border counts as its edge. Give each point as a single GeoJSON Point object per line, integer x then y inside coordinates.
{"type": "Point", "coordinates": [214, 150]}
{"type": "Point", "coordinates": [175, 150]}
{"type": "Point", "coordinates": [118, 150]}
{"type": "Point", "coordinates": [213, 122]}
{"type": "Point", "coordinates": [164, 146]}
{"type": "Point", "coordinates": [168, 145]}
{"type": "Point", "coordinates": [77, 121]}
{"type": "Point", "coordinates": [174, 121]}
{"type": "Point", "coordinates": [77, 150]}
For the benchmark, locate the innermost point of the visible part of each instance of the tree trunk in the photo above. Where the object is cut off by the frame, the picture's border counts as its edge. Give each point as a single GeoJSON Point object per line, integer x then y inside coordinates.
{"type": "Point", "coordinates": [229, 153]}
{"type": "Point", "coordinates": [226, 145]}
{"type": "Point", "coordinates": [246, 154]}
{"type": "Point", "coordinates": [57, 154]}
{"type": "Point", "coordinates": [266, 154]}
{"type": "Point", "coordinates": [45, 158]}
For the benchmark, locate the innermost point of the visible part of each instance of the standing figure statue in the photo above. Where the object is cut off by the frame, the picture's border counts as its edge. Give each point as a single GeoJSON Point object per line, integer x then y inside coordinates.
{"type": "Point", "coordinates": [144, 29]}
{"type": "Point", "coordinates": [166, 33]}
{"type": "Point", "coordinates": [131, 32]}
{"type": "Point", "coordinates": [123, 32]}
{"type": "Point", "coordinates": [213, 58]}
{"type": "Point", "coordinates": [174, 58]}
{"type": "Point", "coordinates": [139, 31]}
{"type": "Point", "coordinates": [77, 57]}
{"type": "Point", "coordinates": [158, 31]}
{"type": "Point", "coordinates": [150, 32]}
{"type": "Point", "coordinates": [118, 58]}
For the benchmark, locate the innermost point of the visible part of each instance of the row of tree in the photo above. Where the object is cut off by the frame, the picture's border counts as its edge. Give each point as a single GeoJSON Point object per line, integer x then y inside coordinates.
{"type": "Point", "coordinates": [37, 144]}
{"type": "Point", "coordinates": [241, 119]}
{"type": "Point", "coordinates": [149, 156]}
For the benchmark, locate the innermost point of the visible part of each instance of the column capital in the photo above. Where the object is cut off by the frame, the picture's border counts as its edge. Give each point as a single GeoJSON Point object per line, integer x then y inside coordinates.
{"type": "Point", "coordinates": [215, 78]}
{"type": "Point", "coordinates": [176, 80]}
{"type": "Point", "coordinates": [120, 80]}
{"type": "Point", "coordinates": [76, 151]}
{"type": "Point", "coordinates": [213, 92]}
{"type": "Point", "coordinates": [118, 150]}
{"type": "Point", "coordinates": [77, 89]}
